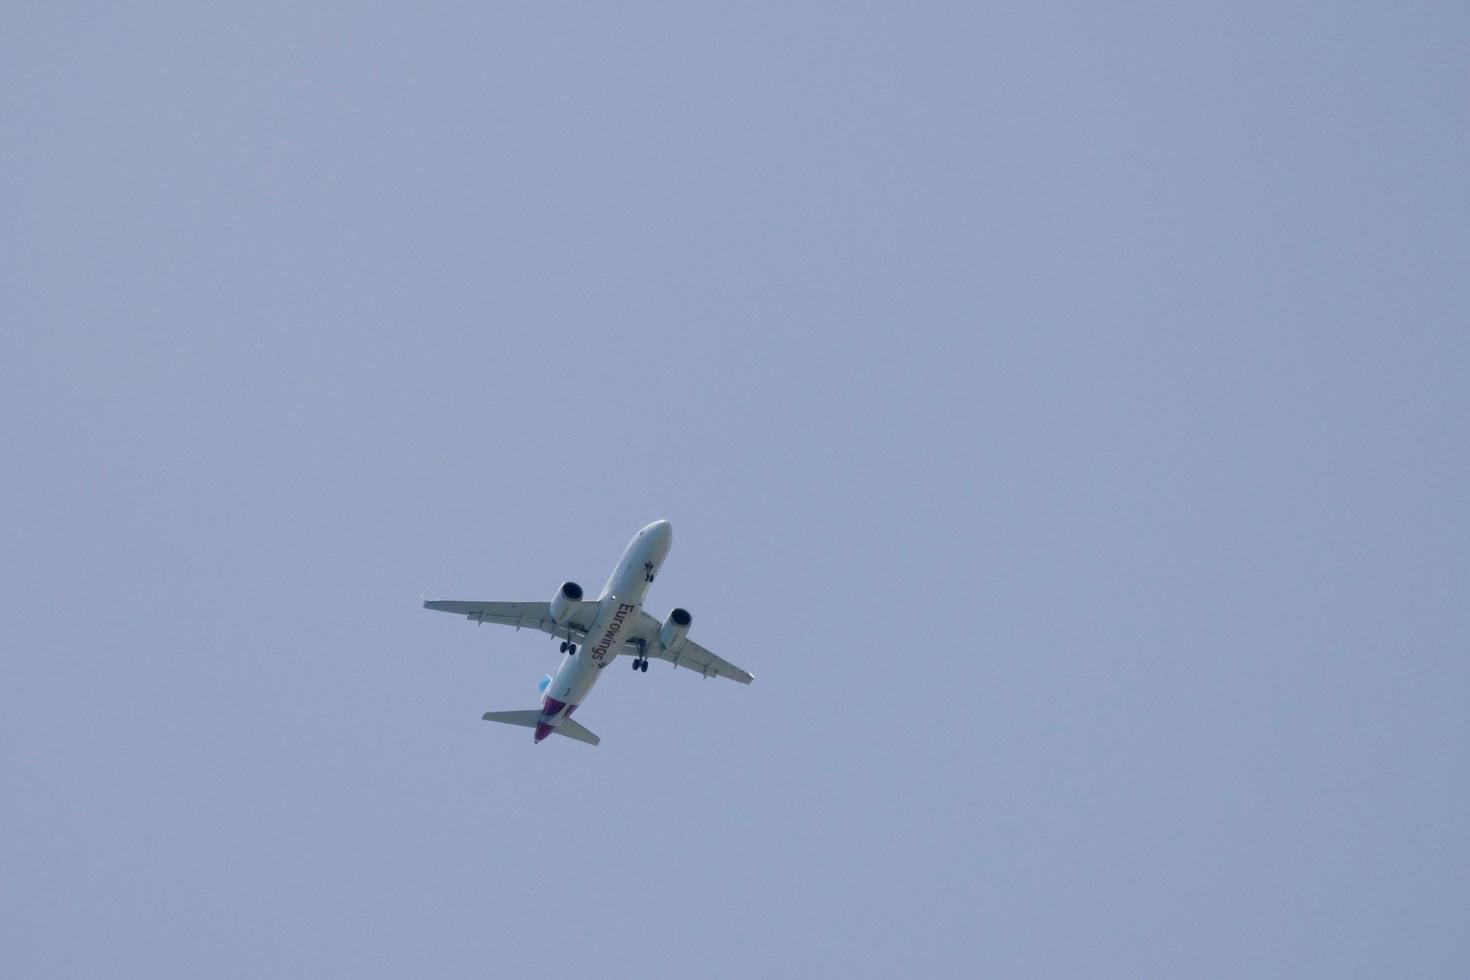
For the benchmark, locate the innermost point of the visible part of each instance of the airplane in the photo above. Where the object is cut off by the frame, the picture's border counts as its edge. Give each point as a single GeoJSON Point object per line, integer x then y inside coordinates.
{"type": "Point", "coordinates": [613, 623]}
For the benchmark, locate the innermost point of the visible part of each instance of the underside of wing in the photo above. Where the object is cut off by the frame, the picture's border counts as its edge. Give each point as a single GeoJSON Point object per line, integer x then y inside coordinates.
{"type": "Point", "coordinates": [688, 654]}
{"type": "Point", "coordinates": [521, 615]}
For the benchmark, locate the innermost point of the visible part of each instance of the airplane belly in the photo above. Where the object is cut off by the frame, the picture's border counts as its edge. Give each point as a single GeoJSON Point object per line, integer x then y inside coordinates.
{"type": "Point", "coordinates": [613, 625]}
{"type": "Point", "coordinates": [571, 682]}
{"type": "Point", "coordinates": [577, 675]}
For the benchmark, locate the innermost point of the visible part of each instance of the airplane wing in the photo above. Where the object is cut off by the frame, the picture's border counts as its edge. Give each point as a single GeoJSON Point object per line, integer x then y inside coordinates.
{"type": "Point", "coordinates": [688, 654]}
{"type": "Point", "coordinates": [537, 615]}
{"type": "Point", "coordinates": [528, 615]}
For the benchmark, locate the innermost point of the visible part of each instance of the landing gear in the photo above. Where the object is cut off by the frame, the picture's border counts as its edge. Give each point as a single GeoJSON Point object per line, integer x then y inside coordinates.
{"type": "Point", "coordinates": [572, 649]}
{"type": "Point", "coordinates": [641, 664]}
{"type": "Point", "coordinates": [564, 645]}
{"type": "Point", "coordinates": [645, 665]}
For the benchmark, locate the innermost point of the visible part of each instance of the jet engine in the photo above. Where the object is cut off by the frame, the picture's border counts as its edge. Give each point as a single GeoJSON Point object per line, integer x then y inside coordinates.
{"type": "Point", "coordinates": [566, 600]}
{"type": "Point", "coordinates": [674, 629]}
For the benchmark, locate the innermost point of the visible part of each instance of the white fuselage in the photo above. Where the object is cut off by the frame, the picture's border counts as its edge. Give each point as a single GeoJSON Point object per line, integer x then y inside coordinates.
{"type": "Point", "coordinates": [619, 605]}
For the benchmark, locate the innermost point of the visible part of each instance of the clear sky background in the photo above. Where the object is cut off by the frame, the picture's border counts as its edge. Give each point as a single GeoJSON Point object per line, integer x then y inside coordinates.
{"type": "Point", "coordinates": [1062, 410]}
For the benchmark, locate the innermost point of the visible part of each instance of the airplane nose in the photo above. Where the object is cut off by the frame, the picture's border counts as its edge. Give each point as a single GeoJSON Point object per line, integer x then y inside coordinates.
{"type": "Point", "coordinates": [661, 534]}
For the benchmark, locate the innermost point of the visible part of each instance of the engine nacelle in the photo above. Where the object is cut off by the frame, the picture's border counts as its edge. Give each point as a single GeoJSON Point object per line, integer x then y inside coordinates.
{"type": "Point", "coordinates": [674, 629]}
{"type": "Point", "coordinates": [565, 602]}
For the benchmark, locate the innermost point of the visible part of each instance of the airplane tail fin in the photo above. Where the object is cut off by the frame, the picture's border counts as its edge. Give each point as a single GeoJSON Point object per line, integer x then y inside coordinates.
{"type": "Point", "coordinates": [528, 719]}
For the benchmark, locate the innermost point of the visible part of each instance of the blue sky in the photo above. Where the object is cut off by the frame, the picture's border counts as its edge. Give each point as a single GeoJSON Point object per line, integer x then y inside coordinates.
{"type": "Point", "coordinates": [1061, 410]}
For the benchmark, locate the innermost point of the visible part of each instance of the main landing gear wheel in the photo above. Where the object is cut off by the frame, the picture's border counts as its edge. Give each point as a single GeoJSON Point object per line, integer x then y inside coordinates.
{"type": "Point", "coordinates": [572, 649]}
{"type": "Point", "coordinates": [564, 645]}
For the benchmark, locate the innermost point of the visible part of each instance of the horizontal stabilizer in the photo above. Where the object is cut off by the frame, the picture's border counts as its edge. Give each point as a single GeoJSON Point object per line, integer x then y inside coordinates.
{"type": "Point", "coordinates": [526, 719]}
{"type": "Point", "coordinates": [529, 719]}
{"type": "Point", "coordinates": [571, 729]}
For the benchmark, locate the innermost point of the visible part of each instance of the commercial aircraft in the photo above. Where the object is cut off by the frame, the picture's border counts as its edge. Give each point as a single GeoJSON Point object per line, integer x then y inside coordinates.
{"type": "Point", "coordinates": [594, 632]}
